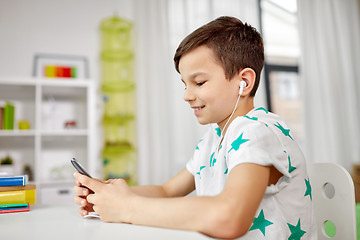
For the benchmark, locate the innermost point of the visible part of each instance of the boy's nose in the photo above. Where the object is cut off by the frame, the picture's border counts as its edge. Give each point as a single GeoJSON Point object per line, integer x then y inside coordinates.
{"type": "Point", "coordinates": [188, 96]}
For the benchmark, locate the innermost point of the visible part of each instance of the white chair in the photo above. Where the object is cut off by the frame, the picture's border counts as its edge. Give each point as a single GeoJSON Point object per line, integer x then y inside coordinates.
{"type": "Point", "coordinates": [334, 200]}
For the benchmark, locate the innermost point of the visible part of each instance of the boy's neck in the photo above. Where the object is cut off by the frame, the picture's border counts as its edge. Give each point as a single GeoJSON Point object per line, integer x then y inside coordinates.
{"type": "Point", "coordinates": [243, 108]}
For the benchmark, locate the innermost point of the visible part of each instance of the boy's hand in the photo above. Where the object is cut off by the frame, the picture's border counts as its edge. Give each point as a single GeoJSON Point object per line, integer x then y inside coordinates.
{"type": "Point", "coordinates": [111, 199]}
{"type": "Point", "coordinates": [82, 192]}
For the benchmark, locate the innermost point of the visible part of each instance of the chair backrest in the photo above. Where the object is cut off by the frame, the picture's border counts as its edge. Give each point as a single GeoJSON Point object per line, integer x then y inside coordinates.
{"type": "Point", "coordinates": [334, 201]}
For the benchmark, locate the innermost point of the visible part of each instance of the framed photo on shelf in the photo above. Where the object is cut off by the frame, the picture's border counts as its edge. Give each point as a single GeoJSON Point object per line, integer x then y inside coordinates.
{"type": "Point", "coordinates": [60, 66]}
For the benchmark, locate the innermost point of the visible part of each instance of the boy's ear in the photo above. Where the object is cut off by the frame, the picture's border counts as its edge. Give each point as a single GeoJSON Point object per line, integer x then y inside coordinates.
{"type": "Point", "coordinates": [248, 75]}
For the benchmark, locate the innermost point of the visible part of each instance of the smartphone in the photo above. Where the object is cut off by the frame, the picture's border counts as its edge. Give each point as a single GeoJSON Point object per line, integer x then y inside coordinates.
{"type": "Point", "coordinates": [79, 168]}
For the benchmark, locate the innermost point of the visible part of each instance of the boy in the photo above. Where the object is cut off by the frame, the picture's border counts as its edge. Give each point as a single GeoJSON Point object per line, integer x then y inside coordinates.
{"type": "Point", "coordinates": [248, 172]}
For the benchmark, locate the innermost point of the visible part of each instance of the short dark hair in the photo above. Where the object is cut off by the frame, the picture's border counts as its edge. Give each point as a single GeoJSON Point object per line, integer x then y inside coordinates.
{"type": "Point", "coordinates": [236, 46]}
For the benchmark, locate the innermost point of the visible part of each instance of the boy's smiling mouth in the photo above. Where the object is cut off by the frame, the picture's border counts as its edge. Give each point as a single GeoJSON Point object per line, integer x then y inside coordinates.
{"type": "Point", "coordinates": [197, 109]}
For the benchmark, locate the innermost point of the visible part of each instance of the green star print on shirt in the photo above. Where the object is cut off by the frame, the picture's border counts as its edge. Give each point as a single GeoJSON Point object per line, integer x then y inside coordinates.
{"type": "Point", "coordinates": [308, 188]}
{"type": "Point", "coordinates": [212, 160]}
{"type": "Point", "coordinates": [218, 131]}
{"type": "Point", "coordinates": [251, 118]}
{"type": "Point", "coordinates": [201, 168]}
{"type": "Point", "coordinates": [286, 132]}
{"type": "Point", "coordinates": [261, 108]}
{"type": "Point", "coordinates": [260, 223]}
{"type": "Point", "coordinates": [296, 231]}
{"type": "Point", "coordinates": [197, 146]}
{"type": "Point", "coordinates": [291, 168]}
{"type": "Point", "coordinates": [236, 144]}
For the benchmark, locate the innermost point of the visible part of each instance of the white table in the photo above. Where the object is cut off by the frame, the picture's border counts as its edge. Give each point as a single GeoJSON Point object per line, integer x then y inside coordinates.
{"type": "Point", "coordinates": [64, 222]}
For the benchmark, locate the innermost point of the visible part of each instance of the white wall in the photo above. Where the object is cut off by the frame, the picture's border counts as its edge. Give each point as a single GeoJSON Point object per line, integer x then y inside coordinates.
{"type": "Point", "coordinates": [49, 26]}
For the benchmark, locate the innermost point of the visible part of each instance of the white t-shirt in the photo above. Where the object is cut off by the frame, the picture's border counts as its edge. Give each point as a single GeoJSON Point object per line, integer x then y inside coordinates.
{"type": "Point", "coordinates": [260, 137]}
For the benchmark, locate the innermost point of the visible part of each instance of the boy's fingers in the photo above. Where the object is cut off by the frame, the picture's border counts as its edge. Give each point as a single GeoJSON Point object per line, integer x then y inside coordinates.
{"type": "Point", "coordinates": [90, 183]}
{"type": "Point", "coordinates": [90, 199]}
{"type": "Point", "coordinates": [80, 201]}
{"type": "Point", "coordinates": [83, 212]}
{"type": "Point", "coordinates": [81, 191]}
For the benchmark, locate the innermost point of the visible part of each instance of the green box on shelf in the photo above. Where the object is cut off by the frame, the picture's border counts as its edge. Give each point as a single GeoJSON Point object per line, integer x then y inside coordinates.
{"type": "Point", "coordinates": [8, 116]}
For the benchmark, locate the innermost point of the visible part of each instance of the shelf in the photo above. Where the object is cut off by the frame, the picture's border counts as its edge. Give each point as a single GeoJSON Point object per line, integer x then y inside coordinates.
{"type": "Point", "coordinates": [45, 81]}
{"type": "Point", "coordinates": [17, 81]}
{"type": "Point", "coordinates": [49, 105]}
{"type": "Point", "coordinates": [64, 82]}
{"type": "Point", "coordinates": [16, 132]}
{"type": "Point", "coordinates": [65, 132]}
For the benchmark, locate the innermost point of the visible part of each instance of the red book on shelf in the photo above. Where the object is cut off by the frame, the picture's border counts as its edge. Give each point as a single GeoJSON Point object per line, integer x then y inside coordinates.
{"type": "Point", "coordinates": [67, 72]}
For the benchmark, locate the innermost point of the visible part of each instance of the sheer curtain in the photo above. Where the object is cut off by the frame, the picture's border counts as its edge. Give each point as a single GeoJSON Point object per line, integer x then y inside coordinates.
{"type": "Point", "coordinates": [330, 71]}
{"type": "Point", "coordinates": [167, 128]}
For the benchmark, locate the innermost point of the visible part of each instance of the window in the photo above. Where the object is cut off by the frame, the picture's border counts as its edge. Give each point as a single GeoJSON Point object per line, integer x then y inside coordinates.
{"type": "Point", "coordinates": [282, 51]}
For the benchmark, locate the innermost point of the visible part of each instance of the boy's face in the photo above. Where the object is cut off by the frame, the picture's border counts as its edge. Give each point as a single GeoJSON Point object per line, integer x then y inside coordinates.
{"type": "Point", "coordinates": [209, 93]}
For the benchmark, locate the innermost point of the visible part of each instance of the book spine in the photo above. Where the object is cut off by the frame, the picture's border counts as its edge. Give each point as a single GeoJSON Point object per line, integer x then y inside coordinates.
{"type": "Point", "coordinates": [13, 208]}
{"type": "Point", "coordinates": [12, 197]}
{"type": "Point", "coordinates": [30, 196]}
{"type": "Point", "coordinates": [18, 197]}
{"type": "Point", "coordinates": [7, 206]}
{"type": "Point", "coordinates": [18, 188]}
{"type": "Point", "coordinates": [13, 181]}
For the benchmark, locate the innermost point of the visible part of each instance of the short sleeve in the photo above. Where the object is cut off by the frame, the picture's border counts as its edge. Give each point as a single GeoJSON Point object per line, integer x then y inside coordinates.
{"type": "Point", "coordinates": [256, 143]}
{"type": "Point", "coordinates": [190, 166]}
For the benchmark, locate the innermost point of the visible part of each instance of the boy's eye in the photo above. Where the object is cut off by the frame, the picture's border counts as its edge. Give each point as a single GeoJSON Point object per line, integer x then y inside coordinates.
{"type": "Point", "coordinates": [200, 83]}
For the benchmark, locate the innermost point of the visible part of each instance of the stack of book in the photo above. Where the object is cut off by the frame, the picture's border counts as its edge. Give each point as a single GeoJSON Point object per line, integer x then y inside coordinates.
{"type": "Point", "coordinates": [15, 194]}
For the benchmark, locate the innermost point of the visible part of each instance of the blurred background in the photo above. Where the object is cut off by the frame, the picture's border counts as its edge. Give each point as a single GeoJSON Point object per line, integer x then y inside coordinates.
{"type": "Point", "coordinates": [138, 119]}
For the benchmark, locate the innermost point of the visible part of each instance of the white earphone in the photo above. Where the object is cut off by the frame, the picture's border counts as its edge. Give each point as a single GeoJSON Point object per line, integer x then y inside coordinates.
{"type": "Point", "coordinates": [242, 86]}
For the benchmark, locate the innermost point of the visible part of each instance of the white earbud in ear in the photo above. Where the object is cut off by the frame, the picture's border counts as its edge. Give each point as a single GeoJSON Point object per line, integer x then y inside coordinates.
{"type": "Point", "coordinates": [242, 85]}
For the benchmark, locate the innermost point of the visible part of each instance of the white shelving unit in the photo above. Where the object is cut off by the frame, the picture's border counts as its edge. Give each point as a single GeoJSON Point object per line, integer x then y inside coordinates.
{"type": "Point", "coordinates": [48, 146]}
